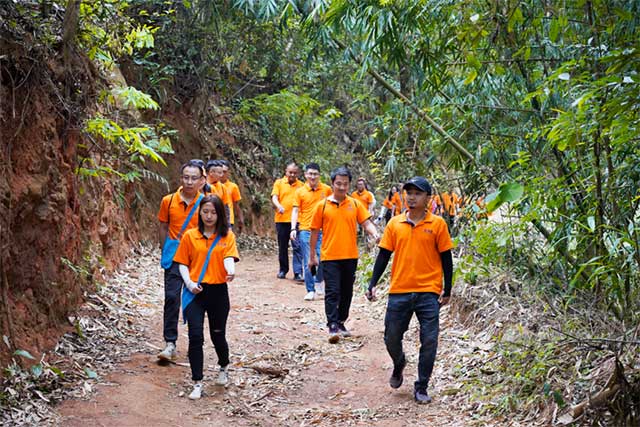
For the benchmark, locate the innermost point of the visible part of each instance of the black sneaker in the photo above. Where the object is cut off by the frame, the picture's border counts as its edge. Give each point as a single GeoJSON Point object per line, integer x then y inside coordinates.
{"type": "Point", "coordinates": [282, 275]}
{"type": "Point", "coordinates": [421, 396]}
{"type": "Point", "coordinates": [395, 381]}
{"type": "Point", "coordinates": [334, 334]}
{"type": "Point", "coordinates": [298, 277]}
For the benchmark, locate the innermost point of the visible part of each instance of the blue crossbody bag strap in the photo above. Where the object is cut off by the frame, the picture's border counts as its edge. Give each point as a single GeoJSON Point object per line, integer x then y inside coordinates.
{"type": "Point", "coordinates": [186, 221]}
{"type": "Point", "coordinates": [187, 295]}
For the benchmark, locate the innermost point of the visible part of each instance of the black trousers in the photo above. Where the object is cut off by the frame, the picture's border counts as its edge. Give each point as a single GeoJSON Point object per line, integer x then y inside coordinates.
{"type": "Point", "coordinates": [339, 277]}
{"type": "Point", "coordinates": [172, 293]}
{"type": "Point", "coordinates": [283, 231]}
{"type": "Point", "coordinates": [214, 301]}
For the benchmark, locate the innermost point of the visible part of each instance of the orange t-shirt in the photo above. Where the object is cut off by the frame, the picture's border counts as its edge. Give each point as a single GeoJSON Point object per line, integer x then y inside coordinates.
{"type": "Point", "coordinates": [305, 200]}
{"type": "Point", "coordinates": [177, 213]}
{"type": "Point", "coordinates": [286, 194]}
{"type": "Point", "coordinates": [395, 199]}
{"type": "Point", "coordinates": [366, 197]}
{"type": "Point", "coordinates": [231, 188]}
{"type": "Point", "coordinates": [338, 225]}
{"type": "Point", "coordinates": [417, 266]}
{"type": "Point", "coordinates": [387, 203]}
{"type": "Point", "coordinates": [219, 190]}
{"type": "Point", "coordinates": [192, 252]}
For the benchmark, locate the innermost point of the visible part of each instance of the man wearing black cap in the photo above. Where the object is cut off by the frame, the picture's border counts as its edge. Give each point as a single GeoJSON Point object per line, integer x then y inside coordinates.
{"type": "Point", "coordinates": [422, 247]}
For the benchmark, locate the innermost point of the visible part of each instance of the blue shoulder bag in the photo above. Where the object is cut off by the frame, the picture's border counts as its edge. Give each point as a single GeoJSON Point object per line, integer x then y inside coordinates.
{"type": "Point", "coordinates": [171, 245]}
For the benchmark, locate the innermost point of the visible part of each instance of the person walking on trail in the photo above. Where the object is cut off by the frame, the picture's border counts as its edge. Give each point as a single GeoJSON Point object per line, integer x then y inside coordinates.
{"type": "Point", "coordinates": [396, 199]}
{"type": "Point", "coordinates": [206, 258]}
{"type": "Point", "coordinates": [387, 211]}
{"type": "Point", "coordinates": [422, 247]}
{"type": "Point", "coordinates": [177, 214]}
{"type": "Point", "coordinates": [282, 197]}
{"type": "Point", "coordinates": [336, 217]}
{"type": "Point", "coordinates": [363, 195]}
{"type": "Point", "coordinates": [305, 200]}
{"type": "Point", "coordinates": [236, 218]}
{"type": "Point", "coordinates": [214, 179]}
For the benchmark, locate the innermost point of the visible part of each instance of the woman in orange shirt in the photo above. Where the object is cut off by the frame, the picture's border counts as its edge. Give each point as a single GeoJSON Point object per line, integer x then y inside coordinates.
{"type": "Point", "coordinates": [206, 258]}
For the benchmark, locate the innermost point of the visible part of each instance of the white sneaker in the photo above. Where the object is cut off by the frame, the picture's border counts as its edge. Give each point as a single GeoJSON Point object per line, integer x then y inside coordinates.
{"type": "Point", "coordinates": [197, 392]}
{"type": "Point", "coordinates": [169, 352]}
{"type": "Point", "coordinates": [309, 296]}
{"type": "Point", "coordinates": [320, 288]}
{"type": "Point", "coordinates": [223, 376]}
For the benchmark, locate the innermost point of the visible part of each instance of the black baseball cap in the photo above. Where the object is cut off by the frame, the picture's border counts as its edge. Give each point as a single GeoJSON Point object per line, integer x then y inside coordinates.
{"type": "Point", "coordinates": [420, 183]}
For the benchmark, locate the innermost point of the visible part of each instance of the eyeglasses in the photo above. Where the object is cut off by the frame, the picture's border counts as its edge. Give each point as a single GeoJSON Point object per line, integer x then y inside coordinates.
{"type": "Point", "coordinates": [187, 178]}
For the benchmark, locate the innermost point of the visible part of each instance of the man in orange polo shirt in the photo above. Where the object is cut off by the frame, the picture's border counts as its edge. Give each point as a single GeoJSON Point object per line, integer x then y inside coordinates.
{"type": "Point", "coordinates": [362, 194]}
{"type": "Point", "coordinates": [422, 247]}
{"type": "Point", "coordinates": [236, 218]}
{"type": "Point", "coordinates": [337, 217]}
{"type": "Point", "coordinates": [305, 200]}
{"type": "Point", "coordinates": [282, 197]}
{"type": "Point", "coordinates": [174, 210]}
{"type": "Point", "coordinates": [214, 179]}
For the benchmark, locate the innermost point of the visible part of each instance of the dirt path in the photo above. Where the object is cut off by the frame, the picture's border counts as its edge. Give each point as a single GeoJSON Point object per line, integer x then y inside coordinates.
{"type": "Point", "coordinates": [271, 326]}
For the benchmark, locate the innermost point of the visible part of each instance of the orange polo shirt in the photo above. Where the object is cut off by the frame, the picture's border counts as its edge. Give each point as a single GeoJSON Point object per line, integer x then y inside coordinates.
{"type": "Point", "coordinates": [417, 266]}
{"type": "Point", "coordinates": [286, 194]}
{"type": "Point", "coordinates": [366, 197]}
{"type": "Point", "coordinates": [219, 190]}
{"type": "Point", "coordinates": [395, 199]}
{"type": "Point", "coordinates": [192, 252]}
{"type": "Point", "coordinates": [387, 203]}
{"type": "Point", "coordinates": [176, 213]}
{"type": "Point", "coordinates": [305, 200]}
{"type": "Point", "coordinates": [339, 229]}
{"type": "Point", "coordinates": [231, 188]}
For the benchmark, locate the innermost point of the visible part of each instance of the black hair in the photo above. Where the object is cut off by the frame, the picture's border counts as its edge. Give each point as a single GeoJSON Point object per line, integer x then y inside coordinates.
{"type": "Point", "coordinates": [312, 166]}
{"type": "Point", "coordinates": [391, 191]}
{"type": "Point", "coordinates": [341, 171]}
{"type": "Point", "coordinates": [195, 163]}
{"type": "Point", "coordinates": [212, 163]}
{"type": "Point", "coordinates": [222, 224]}
{"type": "Point", "coordinates": [224, 162]}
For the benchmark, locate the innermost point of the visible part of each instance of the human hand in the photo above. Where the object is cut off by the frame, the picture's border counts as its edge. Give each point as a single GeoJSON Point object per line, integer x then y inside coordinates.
{"type": "Point", "coordinates": [444, 300]}
{"type": "Point", "coordinates": [293, 234]}
{"type": "Point", "coordinates": [193, 287]}
{"type": "Point", "coordinates": [281, 209]}
{"type": "Point", "coordinates": [230, 277]}
{"type": "Point", "coordinates": [371, 293]}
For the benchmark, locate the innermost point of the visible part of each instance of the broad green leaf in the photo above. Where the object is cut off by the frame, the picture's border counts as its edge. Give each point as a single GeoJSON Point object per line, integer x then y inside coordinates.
{"type": "Point", "coordinates": [511, 192]}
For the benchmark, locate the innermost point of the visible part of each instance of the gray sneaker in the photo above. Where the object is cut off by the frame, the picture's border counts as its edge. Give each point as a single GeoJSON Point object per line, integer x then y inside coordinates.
{"type": "Point", "coordinates": [421, 396]}
{"type": "Point", "coordinates": [343, 331]}
{"type": "Point", "coordinates": [169, 353]}
{"type": "Point", "coordinates": [223, 376]}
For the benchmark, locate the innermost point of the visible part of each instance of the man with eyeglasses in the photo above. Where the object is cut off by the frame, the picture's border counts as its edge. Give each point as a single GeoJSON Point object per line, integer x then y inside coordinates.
{"type": "Point", "coordinates": [174, 210]}
{"type": "Point", "coordinates": [305, 200]}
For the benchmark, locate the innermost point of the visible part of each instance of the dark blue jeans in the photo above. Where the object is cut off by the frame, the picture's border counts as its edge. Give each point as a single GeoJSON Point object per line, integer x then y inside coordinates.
{"type": "Point", "coordinates": [214, 301]}
{"type": "Point", "coordinates": [400, 308]}
{"type": "Point", "coordinates": [172, 293]}
{"type": "Point", "coordinates": [339, 276]}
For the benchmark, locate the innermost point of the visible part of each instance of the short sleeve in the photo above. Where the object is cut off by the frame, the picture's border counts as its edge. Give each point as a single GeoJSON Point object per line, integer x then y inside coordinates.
{"type": "Point", "coordinates": [443, 242]}
{"type": "Point", "coordinates": [362, 213]}
{"type": "Point", "coordinates": [275, 191]}
{"type": "Point", "coordinates": [185, 249]}
{"type": "Point", "coordinates": [235, 194]}
{"type": "Point", "coordinates": [316, 216]}
{"type": "Point", "coordinates": [163, 213]}
{"type": "Point", "coordinates": [231, 250]}
{"type": "Point", "coordinates": [296, 198]}
{"type": "Point", "coordinates": [388, 241]}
